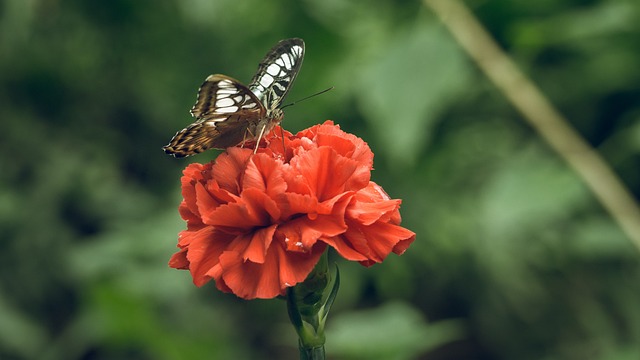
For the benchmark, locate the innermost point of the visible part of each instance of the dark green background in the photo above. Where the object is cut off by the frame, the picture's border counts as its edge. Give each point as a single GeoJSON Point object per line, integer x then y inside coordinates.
{"type": "Point", "coordinates": [514, 258]}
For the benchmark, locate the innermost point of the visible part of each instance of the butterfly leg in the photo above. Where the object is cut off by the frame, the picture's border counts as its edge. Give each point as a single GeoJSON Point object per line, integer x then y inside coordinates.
{"type": "Point", "coordinates": [245, 137]}
{"type": "Point", "coordinates": [259, 137]}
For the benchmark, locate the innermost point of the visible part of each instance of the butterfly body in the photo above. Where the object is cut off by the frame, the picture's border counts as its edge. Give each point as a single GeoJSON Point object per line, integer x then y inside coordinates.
{"type": "Point", "coordinates": [229, 113]}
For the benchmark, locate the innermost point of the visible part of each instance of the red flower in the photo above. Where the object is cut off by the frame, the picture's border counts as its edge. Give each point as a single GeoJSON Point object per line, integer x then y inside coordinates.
{"type": "Point", "coordinates": [258, 223]}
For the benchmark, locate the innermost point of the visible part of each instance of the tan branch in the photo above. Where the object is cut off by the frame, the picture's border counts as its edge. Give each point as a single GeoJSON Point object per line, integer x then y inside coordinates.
{"type": "Point", "coordinates": [541, 114]}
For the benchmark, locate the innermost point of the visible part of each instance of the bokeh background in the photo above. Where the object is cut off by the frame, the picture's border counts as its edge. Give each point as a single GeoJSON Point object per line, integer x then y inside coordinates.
{"type": "Point", "coordinates": [514, 257]}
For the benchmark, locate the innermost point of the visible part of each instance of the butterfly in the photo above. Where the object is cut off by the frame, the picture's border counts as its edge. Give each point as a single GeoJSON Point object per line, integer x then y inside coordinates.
{"type": "Point", "coordinates": [229, 113]}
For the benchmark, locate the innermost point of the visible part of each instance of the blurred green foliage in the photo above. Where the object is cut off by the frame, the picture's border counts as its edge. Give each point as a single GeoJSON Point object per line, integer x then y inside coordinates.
{"type": "Point", "coordinates": [514, 258]}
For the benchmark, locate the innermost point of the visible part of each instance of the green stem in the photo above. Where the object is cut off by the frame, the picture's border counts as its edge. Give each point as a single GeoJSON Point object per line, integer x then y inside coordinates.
{"type": "Point", "coordinates": [311, 353]}
{"type": "Point", "coordinates": [308, 307]}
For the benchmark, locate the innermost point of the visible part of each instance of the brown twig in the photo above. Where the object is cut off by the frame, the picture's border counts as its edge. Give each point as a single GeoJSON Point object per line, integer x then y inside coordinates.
{"type": "Point", "coordinates": [541, 114]}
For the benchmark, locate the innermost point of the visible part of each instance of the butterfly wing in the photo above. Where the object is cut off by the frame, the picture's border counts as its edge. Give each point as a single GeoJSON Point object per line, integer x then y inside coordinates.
{"type": "Point", "coordinates": [276, 72]}
{"type": "Point", "coordinates": [226, 113]}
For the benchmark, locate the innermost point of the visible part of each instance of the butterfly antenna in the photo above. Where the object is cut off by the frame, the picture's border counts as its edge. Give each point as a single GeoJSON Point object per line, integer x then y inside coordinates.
{"type": "Point", "coordinates": [308, 97]}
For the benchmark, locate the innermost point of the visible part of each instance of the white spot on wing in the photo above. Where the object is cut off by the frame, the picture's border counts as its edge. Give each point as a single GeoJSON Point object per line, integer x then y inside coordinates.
{"type": "Point", "coordinates": [296, 50]}
{"type": "Point", "coordinates": [266, 80]}
{"type": "Point", "coordinates": [228, 109]}
{"type": "Point", "coordinates": [224, 102]}
{"type": "Point", "coordinates": [287, 61]}
{"type": "Point", "coordinates": [273, 69]}
{"type": "Point", "coordinates": [226, 91]}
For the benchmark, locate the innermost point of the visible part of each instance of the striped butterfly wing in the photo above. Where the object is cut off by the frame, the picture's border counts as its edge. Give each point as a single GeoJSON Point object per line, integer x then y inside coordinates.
{"type": "Point", "coordinates": [277, 71]}
{"type": "Point", "coordinates": [227, 113]}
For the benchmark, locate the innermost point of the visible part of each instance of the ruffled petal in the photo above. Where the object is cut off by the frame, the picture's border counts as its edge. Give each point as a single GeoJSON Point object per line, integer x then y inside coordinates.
{"type": "Point", "coordinates": [381, 239]}
{"type": "Point", "coordinates": [280, 270]}
{"type": "Point", "coordinates": [204, 202]}
{"type": "Point", "coordinates": [258, 244]}
{"type": "Point", "coordinates": [205, 247]}
{"type": "Point", "coordinates": [294, 267]}
{"type": "Point", "coordinates": [228, 168]}
{"type": "Point", "coordinates": [314, 167]}
{"type": "Point", "coordinates": [192, 219]}
{"type": "Point", "coordinates": [346, 250]}
{"type": "Point", "coordinates": [249, 280]}
{"type": "Point", "coordinates": [255, 209]}
{"type": "Point", "coordinates": [353, 244]}
{"type": "Point", "coordinates": [372, 204]}
{"type": "Point", "coordinates": [301, 234]}
{"type": "Point", "coordinates": [291, 204]}
{"type": "Point", "coordinates": [179, 260]}
{"type": "Point", "coordinates": [348, 145]}
{"type": "Point", "coordinates": [265, 174]}
{"type": "Point", "coordinates": [191, 175]}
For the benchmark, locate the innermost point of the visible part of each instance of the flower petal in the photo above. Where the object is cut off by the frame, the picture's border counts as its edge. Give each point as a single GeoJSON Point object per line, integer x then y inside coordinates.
{"type": "Point", "coordinates": [294, 267]}
{"type": "Point", "coordinates": [368, 205]}
{"type": "Point", "coordinates": [255, 209]}
{"type": "Point", "coordinates": [192, 219]}
{"type": "Point", "coordinates": [253, 245]}
{"type": "Point", "coordinates": [314, 166]}
{"type": "Point", "coordinates": [353, 244]}
{"type": "Point", "coordinates": [265, 174]}
{"type": "Point", "coordinates": [301, 234]}
{"type": "Point", "coordinates": [381, 238]}
{"type": "Point", "coordinates": [345, 144]}
{"type": "Point", "coordinates": [228, 168]}
{"type": "Point", "coordinates": [191, 175]}
{"type": "Point", "coordinates": [291, 204]}
{"type": "Point", "coordinates": [281, 269]}
{"type": "Point", "coordinates": [179, 260]}
{"type": "Point", "coordinates": [204, 201]}
{"type": "Point", "coordinates": [204, 249]}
